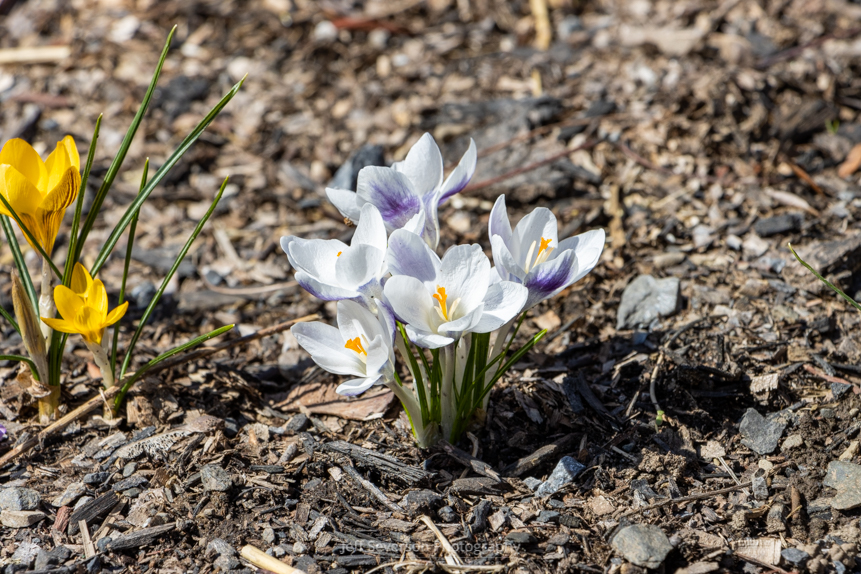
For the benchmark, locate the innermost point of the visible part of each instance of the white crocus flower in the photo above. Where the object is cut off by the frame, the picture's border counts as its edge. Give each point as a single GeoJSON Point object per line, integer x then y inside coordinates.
{"type": "Point", "coordinates": [533, 256]}
{"type": "Point", "coordinates": [409, 193]}
{"type": "Point", "coordinates": [441, 300]}
{"type": "Point", "coordinates": [360, 346]}
{"type": "Point", "coordinates": [331, 270]}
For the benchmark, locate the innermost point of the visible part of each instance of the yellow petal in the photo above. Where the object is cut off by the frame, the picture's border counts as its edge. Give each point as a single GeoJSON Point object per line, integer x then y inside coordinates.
{"type": "Point", "coordinates": [60, 325]}
{"type": "Point", "coordinates": [56, 166]}
{"type": "Point", "coordinates": [68, 302]}
{"type": "Point", "coordinates": [21, 155]}
{"type": "Point", "coordinates": [81, 280]}
{"type": "Point", "coordinates": [69, 142]}
{"type": "Point", "coordinates": [116, 314]}
{"type": "Point", "coordinates": [53, 207]}
{"type": "Point", "coordinates": [19, 191]}
{"type": "Point", "coordinates": [97, 298]}
{"type": "Point", "coordinates": [91, 326]}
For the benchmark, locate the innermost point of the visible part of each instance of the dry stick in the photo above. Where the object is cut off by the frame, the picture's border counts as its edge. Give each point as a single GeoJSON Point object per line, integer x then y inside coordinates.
{"type": "Point", "coordinates": [372, 488]}
{"type": "Point", "coordinates": [535, 165]}
{"type": "Point", "coordinates": [451, 556]}
{"type": "Point", "coordinates": [265, 562]}
{"type": "Point", "coordinates": [104, 396]}
{"type": "Point", "coordinates": [689, 498]}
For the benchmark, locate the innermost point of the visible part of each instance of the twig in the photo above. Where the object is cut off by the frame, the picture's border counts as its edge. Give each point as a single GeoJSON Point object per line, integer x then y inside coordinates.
{"type": "Point", "coordinates": [451, 556]}
{"type": "Point", "coordinates": [372, 488]}
{"type": "Point", "coordinates": [34, 55]}
{"type": "Point", "coordinates": [94, 402]}
{"type": "Point", "coordinates": [690, 498]}
{"type": "Point", "coordinates": [526, 168]}
{"type": "Point", "coordinates": [89, 547]}
{"type": "Point", "coordinates": [265, 562]}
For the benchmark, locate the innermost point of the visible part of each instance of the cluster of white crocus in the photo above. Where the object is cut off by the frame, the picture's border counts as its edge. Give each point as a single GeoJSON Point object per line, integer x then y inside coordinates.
{"type": "Point", "coordinates": [394, 291]}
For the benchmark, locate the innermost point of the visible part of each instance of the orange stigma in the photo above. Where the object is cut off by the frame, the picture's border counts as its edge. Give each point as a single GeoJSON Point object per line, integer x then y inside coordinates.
{"type": "Point", "coordinates": [339, 253]}
{"type": "Point", "coordinates": [356, 345]}
{"type": "Point", "coordinates": [441, 298]}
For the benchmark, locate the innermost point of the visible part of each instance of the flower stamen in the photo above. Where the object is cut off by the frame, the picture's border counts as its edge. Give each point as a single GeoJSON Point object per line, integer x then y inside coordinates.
{"type": "Point", "coordinates": [544, 251]}
{"type": "Point", "coordinates": [356, 345]}
{"type": "Point", "coordinates": [441, 298]}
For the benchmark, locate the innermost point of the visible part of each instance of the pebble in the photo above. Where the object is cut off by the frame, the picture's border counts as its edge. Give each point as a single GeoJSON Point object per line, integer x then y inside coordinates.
{"type": "Point", "coordinates": [297, 423]}
{"type": "Point", "coordinates": [447, 514]}
{"type": "Point", "coordinates": [72, 493]}
{"type": "Point", "coordinates": [845, 478]}
{"type": "Point", "coordinates": [96, 477]}
{"type": "Point", "coordinates": [548, 516]}
{"type": "Point", "coordinates": [53, 558]}
{"type": "Point", "coordinates": [421, 501]}
{"type": "Point", "coordinates": [25, 554]}
{"type": "Point", "coordinates": [827, 413]}
{"type": "Point", "coordinates": [130, 482]}
{"type": "Point", "coordinates": [220, 547]}
{"type": "Point", "coordinates": [795, 556]}
{"type": "Point", "coordinates": [532, 482]}
{"type": "Point", "coordinates": [299, 548]}
{"type": "Point", "coordinates": [840, 389]}
{"type": "Point", "coordinates": [213, 477]}
{"type": "Point", "coordinates": [226, 563]}
{"type": "Point", "coordinates": [564, 474]}
{"type": "Point", "coordinates": [129, 469]}
{"type": "Point", "coordinates": [791, 442]}
{"type": "Point", "coordinates": [520, 537]}
{"type": "Point", "coordinates": [103, 543]}
{"type": "Point", "coordinates": [646, 299]}
{"type": "Point", "coordinates": [759, 434]}
{"type": "Point", "coordinates": [94, 566]}
{"type": "Point", "coordinates": [20, 518]}
{"type": "Point", "coordinates": [785, 223]}
{"type": "Point", "coordinates": [268, 535]}
{"type": "Point", "coordinates": [19, 498]}
{"type": "Point", "coordinates": [642, 544]}
{"type": "Point", "coordinates": [760, 485]}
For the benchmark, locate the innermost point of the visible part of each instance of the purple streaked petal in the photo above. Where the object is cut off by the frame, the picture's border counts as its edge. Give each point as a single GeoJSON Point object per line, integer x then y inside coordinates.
{"type": "Point", "coordinates": [550, 277]}
{"type": "Point", "coordinates": [409, 255]}
{"type": "Point", "coordinates": [322, 290]}
{"type": "Point", "coordinates": [458, 179]}
{"type": "Point", "coordinates": [391, 192]}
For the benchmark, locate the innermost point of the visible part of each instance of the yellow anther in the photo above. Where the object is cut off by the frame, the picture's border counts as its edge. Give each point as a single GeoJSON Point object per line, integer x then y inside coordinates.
{"type": "Point", "coordinates": [356, 345]}
{"type": "Point", "coordinates": [441, 298]}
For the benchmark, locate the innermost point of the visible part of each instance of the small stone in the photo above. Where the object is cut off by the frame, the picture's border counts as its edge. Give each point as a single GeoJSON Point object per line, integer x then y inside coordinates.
{"type": "Point", "coordinates": [447, 514]}
{"type": "Point", "coordinates": [564, 474]}
{"type": "Point", "coordinates": [297, 423]}
{"type": "Point", "coordinates": [600, 506]}
{"type": "Point", "coordinates": [299, 548]}
{"type": "Point", "coordinates": [129, 469]}
{"type": "Point", "coordinates": [760, 485]}
{"type": "Point", "coordinates": [57, 556]}
{"type": "Point", "coordinates": [220, 547]}
{"type": "Point", "coordinates": [827, 413]}
{"type": "Point", "coordinates": [759, 434]}
{"type": "Point", "coordinates": [225, 563]}
{"type": "Point", "coordinates": [520, 537]}
{"type": "Point", "coordinates": [792, 441]}
{"type": "Point", "coordinates": [94, 566]}
{"type": "Point", "coordinates": [20, 518]}
{"type": "Point", "coordinates": [795, 556]}
{"type": "Point", "coordinates": [646, 299]}
{"type": "Point", "coordinates": [532, 482]}
{"type": "Point", "coordinates": [103, 543]}
{"type": "Point", "coordinates": [421, 502]}
{"type": "Point", "coordinates": [785, 223]}
{"type": "Point", "coordinates": [19, 498]}
{"type": "Point", "coordinates": [268, 535]}
{"type": "Point", "coordinates": [213, 477]}
{"type": "Point", "coordinates": [72, 493]}
{"type": "Point", "coordinates": [547, 516]}
{"type": "Point", "coordinates": [25, 554]}
{"type": "Point", "coordinates": [774, 519]}
{"type": "Point", "coordinates": [840, 389]}
{"type": "Point", "coordinates": [642, 544]}
{"type": "Point", "coordinates": [845, 478]}
{"type": "Point", "coordinates": [132, 492]}
{"type": "Point", "coordinates": [130, 482]}
{"type": "Point", "coordinates": [96, 477]}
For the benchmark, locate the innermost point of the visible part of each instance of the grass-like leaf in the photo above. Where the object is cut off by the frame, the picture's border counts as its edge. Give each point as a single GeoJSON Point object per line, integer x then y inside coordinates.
{"type": "Point", "coordinates": [828, 283]}
{"type": "Point", "coordinates": [30, 235]}
{"type": "Point", "coordinates": [142, 371]}
{"type": "Point", "coordinates": [18, 257]}
{"type": "Point", "coordinates": [159, 175]}
{"type": "Point", "coordinates": [22, 359]}
{"type": "Point", "coordinates": [167, 278]}
{"type": "Point", "coordinates": [71, 255]}
{"type": "Point", "coordinates": [11, 319]}
{"type": "Point", "coordinates": [117, 162]}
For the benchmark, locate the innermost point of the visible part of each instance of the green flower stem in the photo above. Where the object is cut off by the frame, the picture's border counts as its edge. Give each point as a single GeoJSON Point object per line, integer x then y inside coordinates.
{"type": "Point", "coordinates": [424, 433]}
{"type": "Point", "coordinates": [448, 392]}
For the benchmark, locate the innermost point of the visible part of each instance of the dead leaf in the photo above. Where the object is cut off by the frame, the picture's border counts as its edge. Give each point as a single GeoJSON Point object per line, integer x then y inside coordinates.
{"type": "Point", "coordinates": [321, 399]}
{"type": "Point", "coordinates": [852, 162]}
{"type": "Point", "coordinates": [765, 550]}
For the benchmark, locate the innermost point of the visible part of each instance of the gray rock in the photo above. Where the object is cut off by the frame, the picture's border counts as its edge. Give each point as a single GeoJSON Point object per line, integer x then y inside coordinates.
{"type": "Point", "coordinates": [827, 413]}
{"type": "Point", "coordinates": [130, 482]}
{"type": "Point", "coordinates": [225, 563]}
{"type": "Point", "coordinates": [103, 543]}
{"type": "Point", "coordinates": [19, 498]}
{"type": "Point", "coordinates": [760, 485]}
{"type": "Point", "coordinates": [845, 478]}
{"type": "Point", "coordinates": [564, 474]}
{"type": "Point", "coordinates": [347, 176]}
{"type": "Point", "coordinates": [20, 518]}
{"type": "Point", "coordinates": [25, 554]}
{"type": "Point", "coordinates": [646, 299]}
{"type": "Point", "coordinates": [520, 537]}
{"type": "Point", "coordinates": [547, 516]}
{"type": "Point", "coordinates": [57, 556]}
{"type": "Point", "coordinates": [129, 469]}
{"type": "Point", "coordinates": [795, 556]}
{"type": "Point", "coordinates": [421, 501]}
{"type": "Point", "coordinates": [297, 423]}
{"type": "Point", "coordinates": [840, 389]}
{"type": "Point", "coordinates": [642, 544]}
{"type": "Point", "coordinates": [72, 493]}
{"type": "Point", "coordinates": [213, 477]}
{"type": "Point", "coordinates": [94, 566]}
{"type": "Point", "coordinates": [268, 535]}
{"type": "Point", "coordinates": [447, 514]}
{"type": "Point", "coordinates": [532, 482]}
{"type": "Point", "coordinates": [759, 434]}
{"type": "Point", "coordinates": [220, 547]}
{"type": "Point", "coordinates": [96, 477]}
{"type": "Point", "coordinates": [778, 224]}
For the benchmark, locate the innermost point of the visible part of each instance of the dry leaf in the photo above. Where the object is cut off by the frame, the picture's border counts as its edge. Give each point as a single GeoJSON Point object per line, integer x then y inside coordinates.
{"type": "Point", "coordinates": [321, 398]}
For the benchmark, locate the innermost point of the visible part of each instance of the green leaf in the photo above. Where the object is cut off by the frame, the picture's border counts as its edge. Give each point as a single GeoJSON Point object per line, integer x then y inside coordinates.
{"type": "Point", "coordinates": [10, 319]}
{"type": "Point", "coordinates": [30, 235]}
{"type": "Point", "coordinates": [22, 359]}
{"type": "Point", "coordinates": [508, 364]}
{"type": "Point", "coordinates": [140, 372]}
{"type": "Point", "coordinates": [159, 175]}
{"type": "Point", "coordinates": [167, 278]}
{"type": "Point", "coordinates": [19, 261]}
{"type": "Point", "coordinates": [72, 253]}
{"type": "Point", "coordinates": [117, 162]}
{"type": "Point", "coordinates": [824, 280]}
{"type": "Point", "coordinates": [417, 374]}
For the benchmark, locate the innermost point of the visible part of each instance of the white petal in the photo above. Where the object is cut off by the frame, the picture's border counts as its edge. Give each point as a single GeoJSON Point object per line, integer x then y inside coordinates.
{"type": "Point", "coordinates": [356, 321]}
{"type": "Point", "coordinates": [346, 202]}
{"type": "Point", "coordinates": [464, 324]}
{"type": "Point", "coordinates": [423, 165]}
{"type": "Point", "coordinates": [409, 255]}
{"type": "Point", "coordinates": [506, 266]}
{"type": "Point", "coordinates": [316, 257]}
{"type": "Point", "coordinates": [410, 301]}
{"type": "Point", "coordinates": [465, 272]}
{"type": "Point", "coordinates": [503, 302]}
{"type": "Point", "coordinates": [359, 265]}
{"type": "Point", "coordinates": [322, 290]}
{"type": "Point", "coordinates": [551, 277]}
{"type": "Point", "coordinates": [588, 247]}
{"type": "Point", "coordinates": [416, 224]}
{"type": "Point", "coordinates": [391, 192]}
{"type": "Point", "coordinates": [499, 224]}
{"type": "Point", "coordinates": [371, 229]}
{"type": "Point", "coordinates": [378, 356]}
{"type": "Point", "coordinates": [427, 339]}
{"type": "Point", "coordinates": [458, 179]}
{"type": "Point", "coordinates": [430, 231]}
{"type": "Point", "coordinates": [355, 387]}
{"type": "Point", "coordinates": [538, 225]}
{"type": "Point", "coordinates": [326, 346]}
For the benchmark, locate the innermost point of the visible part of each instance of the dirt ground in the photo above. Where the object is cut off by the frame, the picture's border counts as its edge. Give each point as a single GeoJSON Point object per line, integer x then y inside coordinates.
{"type": "Point", "coordinates": [703, 136]}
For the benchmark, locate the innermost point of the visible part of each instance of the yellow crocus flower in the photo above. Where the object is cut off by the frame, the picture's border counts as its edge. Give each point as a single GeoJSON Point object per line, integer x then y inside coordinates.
{"type": "Point", "coordinates": [84, 308]}
{"type": "Point", "coordinates": [38, 191]}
